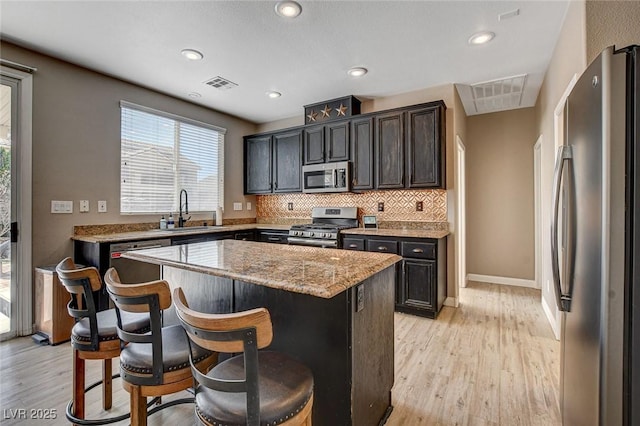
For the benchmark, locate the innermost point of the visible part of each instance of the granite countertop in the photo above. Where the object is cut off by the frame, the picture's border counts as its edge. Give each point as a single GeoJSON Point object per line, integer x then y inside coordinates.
{"type": "Point", "coordinates": [162, 233]}
{"type": "Point", "coordinates": [409, 233]}
{"type": "Point", "coordinates": [320, 272]}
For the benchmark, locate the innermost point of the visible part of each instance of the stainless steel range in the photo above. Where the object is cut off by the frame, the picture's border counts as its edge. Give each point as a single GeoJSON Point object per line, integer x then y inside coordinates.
{"type": "Point", "coordinates": [325, 227]}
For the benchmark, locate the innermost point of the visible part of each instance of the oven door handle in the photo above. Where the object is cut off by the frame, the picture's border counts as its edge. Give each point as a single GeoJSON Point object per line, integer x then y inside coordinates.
{"type": "Point", "coordinates": [312, 242]}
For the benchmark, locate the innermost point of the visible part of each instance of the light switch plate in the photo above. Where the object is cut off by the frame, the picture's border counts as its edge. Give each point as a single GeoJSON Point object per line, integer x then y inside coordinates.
{"type": "Point", "coordinates": [237, 206]}
{"type": "Point", "coordinates": [248, 205]}
{"type": "Point", "coordinates": [61, 206]}
{"type": "Point", "coordinates": [102, 206]}
{"type": "Point", "coordinates": [84, 206]}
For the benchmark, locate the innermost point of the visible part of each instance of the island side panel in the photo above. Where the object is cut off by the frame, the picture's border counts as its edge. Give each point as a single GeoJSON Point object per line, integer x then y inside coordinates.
{"type": "Point", "coordinates": [317, 332]}
{"type": "Point", "coordinates": [373, 343]}
{"type": "Point", "coordinates": [204, 293]}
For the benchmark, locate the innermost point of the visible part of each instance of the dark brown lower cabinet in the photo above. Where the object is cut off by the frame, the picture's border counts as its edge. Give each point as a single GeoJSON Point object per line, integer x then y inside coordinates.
{"type": "Point", "coordinates": [421, 284]}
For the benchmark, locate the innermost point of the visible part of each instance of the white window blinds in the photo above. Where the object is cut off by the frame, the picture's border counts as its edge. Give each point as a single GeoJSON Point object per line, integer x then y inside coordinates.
{"type": "Point", "coordinates": [161, 154]}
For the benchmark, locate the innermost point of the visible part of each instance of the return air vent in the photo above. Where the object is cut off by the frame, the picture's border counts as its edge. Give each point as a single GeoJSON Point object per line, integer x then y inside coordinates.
{"type": "Point", "coordinates": [221, 83]}
{"type": "Point", "coordinates": [498, 95]}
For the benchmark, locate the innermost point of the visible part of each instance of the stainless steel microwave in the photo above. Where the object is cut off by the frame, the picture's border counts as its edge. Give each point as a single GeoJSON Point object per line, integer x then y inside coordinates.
{"type": "Point", "coordinates": [327, 177]}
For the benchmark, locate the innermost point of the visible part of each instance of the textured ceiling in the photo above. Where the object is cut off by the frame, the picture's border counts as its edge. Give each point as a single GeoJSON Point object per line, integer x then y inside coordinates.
{"type": "Point", "coordinates": [406, 45]}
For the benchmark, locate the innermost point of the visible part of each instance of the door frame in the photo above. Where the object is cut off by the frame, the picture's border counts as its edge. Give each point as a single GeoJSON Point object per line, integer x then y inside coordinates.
{"type": "Point", "coordinates": [23, 138]}
{"type": "Point", "coordinates": [461, 224]}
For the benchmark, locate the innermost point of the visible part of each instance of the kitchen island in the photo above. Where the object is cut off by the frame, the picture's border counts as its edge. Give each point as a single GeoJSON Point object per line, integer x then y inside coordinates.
{"type": "Point", "coordinates": [331, 309]}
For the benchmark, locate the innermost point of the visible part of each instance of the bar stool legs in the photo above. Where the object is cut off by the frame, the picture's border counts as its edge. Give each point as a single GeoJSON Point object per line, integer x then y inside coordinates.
{"type": "Point", "coordinates": [78, 385]}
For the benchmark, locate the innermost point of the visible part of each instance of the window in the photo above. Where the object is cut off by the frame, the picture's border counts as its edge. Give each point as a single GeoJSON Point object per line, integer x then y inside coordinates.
{"type": "Point", "coordinates": [161, 154]}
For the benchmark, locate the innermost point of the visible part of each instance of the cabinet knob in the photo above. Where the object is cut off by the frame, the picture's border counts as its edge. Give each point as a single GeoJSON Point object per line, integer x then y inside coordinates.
{"type": "Point", "coordinates": [353, 246]}
{"type": "Point", "coordinates": [418, 250]}
{"type": "Point", "coordinates": [382, 248]}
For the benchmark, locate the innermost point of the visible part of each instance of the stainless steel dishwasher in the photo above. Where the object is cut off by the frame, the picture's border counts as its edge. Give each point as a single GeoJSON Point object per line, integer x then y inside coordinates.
{"type": "Point", "coordinates": [132, 271]}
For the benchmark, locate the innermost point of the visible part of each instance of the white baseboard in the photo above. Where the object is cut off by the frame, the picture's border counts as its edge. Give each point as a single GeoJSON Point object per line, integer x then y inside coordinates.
{"type": "Point", "coordinates": [555, 326]}
{"type": "Point", "coordinates": [451, 301]}
{"type": "Point", "coordinates": [518, 282]}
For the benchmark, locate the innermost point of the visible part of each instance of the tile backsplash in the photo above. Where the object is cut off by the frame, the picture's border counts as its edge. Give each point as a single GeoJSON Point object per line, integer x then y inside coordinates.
{"type": "Point", "coordinates": [399, 205]}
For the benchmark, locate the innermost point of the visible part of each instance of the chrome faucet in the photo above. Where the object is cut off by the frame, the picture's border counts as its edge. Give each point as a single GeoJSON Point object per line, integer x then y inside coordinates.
{"type": "Point", "coordinates": [182, 220]}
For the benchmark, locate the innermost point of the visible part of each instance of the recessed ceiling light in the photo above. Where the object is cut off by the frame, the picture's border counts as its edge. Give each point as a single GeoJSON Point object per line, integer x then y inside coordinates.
{"type": "Point", "coordinates": [357, 71]}
{"type": "Point", "coordinates": [191, 54]}
{"type": "Point", "coordinates": [481, 37]}
{"type": "Point", "coordinates": [288, 9]}
{"type": "Point", "coordinates": [194, 95]}
{"type": "Point", "coordinates": [274, 95]}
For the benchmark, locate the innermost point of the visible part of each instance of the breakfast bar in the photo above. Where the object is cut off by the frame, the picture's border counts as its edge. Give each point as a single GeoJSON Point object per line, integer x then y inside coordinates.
{"type": "Point", "coordinates": [331, 309]}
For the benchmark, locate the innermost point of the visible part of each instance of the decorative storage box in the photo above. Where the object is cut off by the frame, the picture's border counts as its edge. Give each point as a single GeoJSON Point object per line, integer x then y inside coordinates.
{"type": "Point", "coordinates": [331, 110]}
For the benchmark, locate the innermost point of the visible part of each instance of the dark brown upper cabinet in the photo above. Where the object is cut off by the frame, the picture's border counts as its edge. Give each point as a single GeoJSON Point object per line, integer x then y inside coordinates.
{"type": "Point", "coordinates": [273, 162]}
{"type": "Point", "coordinates": [425, 148]}
{"type": "Point", "coordinates": [257, 165]}
{"type": "Point", "coordinates": [410, 147]}
{"type": "Point", "coordinates": [326, 143]}
{"type": "Point", "coordinates": [362, 153]}
{"type": "Point", "coordinates": [287, 162]}
{"type": "Point", "coordinates": [389, 150]}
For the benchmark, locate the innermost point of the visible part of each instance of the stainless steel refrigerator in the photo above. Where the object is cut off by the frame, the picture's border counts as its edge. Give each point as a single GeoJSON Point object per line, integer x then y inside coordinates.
{"type": "Point", "coordinates": [595, 244]}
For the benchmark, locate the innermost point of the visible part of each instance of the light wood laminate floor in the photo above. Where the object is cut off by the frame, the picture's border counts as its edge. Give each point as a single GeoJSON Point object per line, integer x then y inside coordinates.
{"type": "Point", "coordinates": [492, 361]}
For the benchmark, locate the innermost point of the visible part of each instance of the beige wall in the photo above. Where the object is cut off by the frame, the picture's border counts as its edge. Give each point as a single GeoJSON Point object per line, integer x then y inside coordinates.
{"type": "Point", "coordinates": [499, 152]}
{"type": "Point", "coordinates": [76, 147]}
{"type": "Point", "coordinates": [611, 23]}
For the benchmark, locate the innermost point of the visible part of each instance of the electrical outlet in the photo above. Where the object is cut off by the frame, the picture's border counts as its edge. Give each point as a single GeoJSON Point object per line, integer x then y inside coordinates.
{"type": "Point", "coordinates": [380, 206]}
{"type": "Point", "coordinates": [84, 206]}
{"type": "Point", "coordinates": [289, 206]}
{"type": "Point", "coordinates": [237, 206]}
{"type": "Point", "coordinates": [419, 206]}
{"type": "Point", "coordinates": [102, 206]}
{"type": "Point", "coordinates": [61, 206]}
{"type": "Point", "coordinates": [248, 205]}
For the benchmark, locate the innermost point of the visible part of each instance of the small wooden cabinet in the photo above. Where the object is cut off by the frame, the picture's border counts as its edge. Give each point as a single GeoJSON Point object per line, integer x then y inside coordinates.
{"type": "Point", "coordinates": [326, 143]}
{"type": "Point", "coordinates": [362, 153]}
{"type": "Point", "coordinates": [273, 162]}
{"type": "Point", "coordinates": [389, 150]}
{"type": "Point", "coordinates": [421, 284]}
{"type": "Point", "coordinates": [51, 298]}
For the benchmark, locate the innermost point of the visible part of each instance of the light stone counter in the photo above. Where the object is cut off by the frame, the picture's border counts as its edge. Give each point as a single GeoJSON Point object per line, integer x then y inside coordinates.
{"type": "Point", "coordinates": [115, 237]}
{"type": "Point", "coordinates": [319, 272]}
{"type": "Point", "coordinates": [407, 233]}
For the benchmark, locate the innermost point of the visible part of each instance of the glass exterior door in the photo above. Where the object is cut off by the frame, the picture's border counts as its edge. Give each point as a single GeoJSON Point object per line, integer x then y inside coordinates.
{"type": "Point", "coordinates": [8, 119]}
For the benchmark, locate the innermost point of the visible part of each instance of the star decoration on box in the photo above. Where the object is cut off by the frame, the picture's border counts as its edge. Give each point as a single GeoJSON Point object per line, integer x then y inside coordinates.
{"type": "Point", "coordinates": [341, 110]}
{"type": "Point", "coordinates": [326, 112]}
{"type": "Point", "coordinates": [312, 116]}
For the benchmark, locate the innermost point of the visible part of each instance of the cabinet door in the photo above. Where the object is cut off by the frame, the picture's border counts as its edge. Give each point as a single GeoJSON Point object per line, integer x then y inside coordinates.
{"type": "Point", "coordinates": [424, 148]}
{"type": "Point", "coordinates": [349, 243]}
{"type": "Point", "coordinates": [314, 145]}
{"type": "Point", "coordinates": [287, 162]}
{"type": "Point", "coordinates": [337, 141]}
{"type": "Point", "coordinates": [389, 144]}
{"type": "Point", "coordinates": [417, 287]}
{"type": "Point", "coordinates": [362, 153]}
{"type": "Point", "coordinates": [257, 165]}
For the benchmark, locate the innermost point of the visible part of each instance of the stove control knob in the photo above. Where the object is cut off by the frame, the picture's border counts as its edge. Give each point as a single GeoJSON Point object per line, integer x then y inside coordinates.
{"type": "Point", "coordinates": [312, 234]}
{"type": "Point", "coordinates": [327, 235]}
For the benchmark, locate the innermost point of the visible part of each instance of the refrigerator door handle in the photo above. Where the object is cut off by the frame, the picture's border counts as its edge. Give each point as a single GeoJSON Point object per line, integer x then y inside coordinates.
{"type": "Point", "coordinates": [565, 154]}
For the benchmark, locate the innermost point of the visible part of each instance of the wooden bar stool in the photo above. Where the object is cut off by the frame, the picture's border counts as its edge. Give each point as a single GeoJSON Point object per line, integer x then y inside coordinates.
{"type": "Point", "coordinates": [255, 388]}
{"type": "Point", "coordinates": [156, 363]}
{"type": "Point", "coordinates": [94, 335]}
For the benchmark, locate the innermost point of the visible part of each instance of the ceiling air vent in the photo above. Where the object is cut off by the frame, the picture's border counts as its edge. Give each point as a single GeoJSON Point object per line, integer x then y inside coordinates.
{"type": "Point", "coordinates": [221, 83]}
{"type": "Point", "coordinates": [498, 95]}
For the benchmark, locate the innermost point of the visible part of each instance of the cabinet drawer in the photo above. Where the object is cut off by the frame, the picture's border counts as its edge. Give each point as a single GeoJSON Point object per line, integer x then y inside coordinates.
{"type": "Point", "coordinates": [382, 246]}
{"type": "Point", "coordinates": [273, 237]}
{"type": "Point", "coordinates": [418, 250]}
{"type": "Point", "coordinates": [353, 244]}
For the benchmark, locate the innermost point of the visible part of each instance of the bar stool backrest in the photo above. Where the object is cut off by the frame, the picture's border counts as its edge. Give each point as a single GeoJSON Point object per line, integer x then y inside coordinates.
{"type": "Point", "coordinates": [152, 297]}
{"type": "Point", "coordinates": [242, 332]}
{"type": "Point", "coordinates": [81, 283]}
